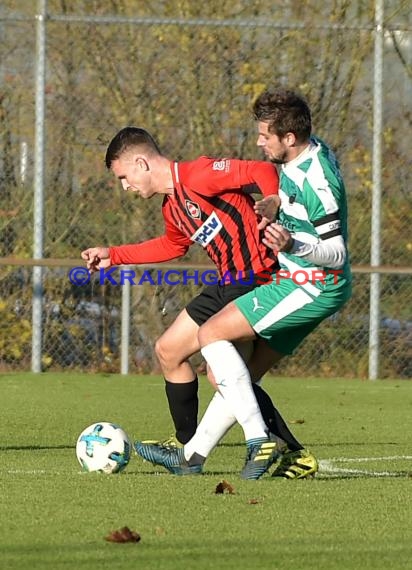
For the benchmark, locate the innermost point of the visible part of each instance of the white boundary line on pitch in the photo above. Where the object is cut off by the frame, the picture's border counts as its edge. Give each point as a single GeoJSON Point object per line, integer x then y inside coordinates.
{"type": "Point", "coordinates": [365, 459]}
{"type": "Point", "coordinates": [35, 472]}
{"type": "Point", "coordinates": [29, 472]}
{"type": "Point", "coordinates": [327, 469]}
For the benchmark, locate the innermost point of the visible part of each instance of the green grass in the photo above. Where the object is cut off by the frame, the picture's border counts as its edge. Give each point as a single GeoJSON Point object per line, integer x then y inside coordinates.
{"type": "Point", "coordinates": [356, 514]}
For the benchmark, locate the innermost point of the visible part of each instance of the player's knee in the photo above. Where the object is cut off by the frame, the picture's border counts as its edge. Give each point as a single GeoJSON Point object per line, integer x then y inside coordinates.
{"type": "Point", "coordinates": [161, 349]}
{"type": "Point", "coordinates": [167, 353]}
{"type": "Point", "coordinates": [205, 335]}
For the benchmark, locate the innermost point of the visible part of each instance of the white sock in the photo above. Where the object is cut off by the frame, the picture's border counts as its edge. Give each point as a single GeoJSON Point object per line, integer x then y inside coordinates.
{"type": "Point", "coordinates": [233, 381]}
{"type": "Point", "coordinates": [216, 421]}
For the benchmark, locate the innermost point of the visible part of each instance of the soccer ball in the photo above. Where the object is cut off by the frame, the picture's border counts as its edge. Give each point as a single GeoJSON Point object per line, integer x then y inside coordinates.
{"type": "Point", "coordinates": [103, 447]}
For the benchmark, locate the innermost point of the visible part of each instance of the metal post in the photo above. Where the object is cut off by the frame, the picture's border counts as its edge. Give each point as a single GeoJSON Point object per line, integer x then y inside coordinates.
{"type": "Point", "coordinates": [125, 327]}
{"type": "Point", "coordinates": [24, 154]}
{"type": "Point", "coordinates": [38, 209]}
{"type": "Point", "coordinates": [374, 316]}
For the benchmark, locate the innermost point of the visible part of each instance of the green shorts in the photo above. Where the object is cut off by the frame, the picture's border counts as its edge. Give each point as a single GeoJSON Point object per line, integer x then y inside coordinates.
{"type": "Point", "coordinates": [284, 313]}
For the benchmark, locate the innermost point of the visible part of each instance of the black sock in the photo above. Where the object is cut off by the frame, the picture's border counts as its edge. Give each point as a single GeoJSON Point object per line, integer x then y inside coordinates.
{"type": "Point", "coordinates": [274, 420]}
{"type": "Point", "coordinates": [183, 406]}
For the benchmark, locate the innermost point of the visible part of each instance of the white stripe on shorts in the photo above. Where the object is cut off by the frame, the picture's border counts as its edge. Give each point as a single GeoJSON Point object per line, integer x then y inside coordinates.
{"type": "Point", "coordinates": [294, 301]}
{"type": "Point", "coordinates": [295, 270]}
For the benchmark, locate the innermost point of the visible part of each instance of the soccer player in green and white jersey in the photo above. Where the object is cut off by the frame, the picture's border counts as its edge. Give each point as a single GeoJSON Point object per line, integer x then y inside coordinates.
{"type": "Point", "coordinates": [310, 238]}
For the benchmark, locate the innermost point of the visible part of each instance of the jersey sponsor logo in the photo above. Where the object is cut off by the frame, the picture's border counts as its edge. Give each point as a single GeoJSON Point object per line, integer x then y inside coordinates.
{"type": "Point", "coordinates": [208, 230]}
{"type": "Point", "coordinates": [289, 225]}
{"type": "Point", "coordinates": [221, 165]}
{"type": "Point", "coordinates": [193, 209]}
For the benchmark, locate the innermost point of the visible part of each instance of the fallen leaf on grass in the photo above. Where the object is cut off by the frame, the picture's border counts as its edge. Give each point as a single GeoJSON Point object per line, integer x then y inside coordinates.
{"type": "Point", "coordinates": [253, 501]}
{"type": "Point", "coordinates": [224, 487]}
{"type": "Point", "coordinates": [123, 535]}
{"type": "Point", "coordinates": [160, 531]}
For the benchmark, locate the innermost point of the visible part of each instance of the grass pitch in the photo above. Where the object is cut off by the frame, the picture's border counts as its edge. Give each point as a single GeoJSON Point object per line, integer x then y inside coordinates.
{"type": "Point", "coordinates": [357, 513]}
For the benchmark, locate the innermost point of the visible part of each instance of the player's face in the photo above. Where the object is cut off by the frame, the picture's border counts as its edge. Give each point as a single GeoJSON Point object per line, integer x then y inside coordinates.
{"type": "Point", "coordinates": [275, 148]}
{"type": "Point", "coordinates": [134, 175]}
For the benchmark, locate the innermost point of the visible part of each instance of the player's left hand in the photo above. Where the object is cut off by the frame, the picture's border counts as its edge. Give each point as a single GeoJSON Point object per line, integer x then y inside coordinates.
{"type": "Point", "coordinates": [278, 238]}
{"type": "Point", "coordinates": [267, 208]}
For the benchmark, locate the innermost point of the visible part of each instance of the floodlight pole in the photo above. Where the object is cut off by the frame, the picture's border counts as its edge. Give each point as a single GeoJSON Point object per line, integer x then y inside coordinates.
{"type": "Point", "coordinates": [125, 328]}
{"type": "Point", "coordinates": [38, 206]}
{"type": "Point", "coordinates": [375, 256]}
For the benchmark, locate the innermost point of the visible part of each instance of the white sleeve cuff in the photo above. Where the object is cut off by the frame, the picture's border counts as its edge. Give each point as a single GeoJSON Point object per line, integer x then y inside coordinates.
{"type": "Point", "coordinates": [328, 253]}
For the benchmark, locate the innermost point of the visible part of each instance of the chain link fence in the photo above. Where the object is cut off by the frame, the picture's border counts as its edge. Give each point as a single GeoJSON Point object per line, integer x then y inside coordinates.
{"type": "Point", "coordinates": [188, 73]}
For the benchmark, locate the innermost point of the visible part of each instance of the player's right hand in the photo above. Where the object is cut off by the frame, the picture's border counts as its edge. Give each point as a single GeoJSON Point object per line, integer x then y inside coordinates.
{"type": "Point", "coordinates": [277, 238]}
{"type": "Point", "coordinates": [96, 258]}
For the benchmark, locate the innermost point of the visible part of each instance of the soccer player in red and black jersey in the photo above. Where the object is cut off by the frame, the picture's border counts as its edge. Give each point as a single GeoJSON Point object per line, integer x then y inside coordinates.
{"type": "Point", "coordinates": [205, 202]}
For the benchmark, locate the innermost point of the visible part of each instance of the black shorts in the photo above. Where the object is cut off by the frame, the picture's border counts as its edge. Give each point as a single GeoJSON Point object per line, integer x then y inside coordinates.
{"type": "Point", "coordinates": [215, 297]}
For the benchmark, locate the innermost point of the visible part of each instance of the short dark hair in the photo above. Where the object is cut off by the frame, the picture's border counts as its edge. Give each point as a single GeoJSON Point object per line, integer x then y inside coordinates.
{"type": "Point", "coordinates": [128, 138]}
{"type": "Point", "coordinates": [285, 111]}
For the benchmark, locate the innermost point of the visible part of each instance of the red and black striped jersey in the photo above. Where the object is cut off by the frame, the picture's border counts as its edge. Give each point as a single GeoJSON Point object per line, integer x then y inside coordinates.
{"type": "Point", "coordinates": [210, 207]}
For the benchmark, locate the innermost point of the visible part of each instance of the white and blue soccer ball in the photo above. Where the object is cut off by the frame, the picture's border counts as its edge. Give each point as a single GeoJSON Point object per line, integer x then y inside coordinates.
{"type": "Point", "coordinates": [103, 447]}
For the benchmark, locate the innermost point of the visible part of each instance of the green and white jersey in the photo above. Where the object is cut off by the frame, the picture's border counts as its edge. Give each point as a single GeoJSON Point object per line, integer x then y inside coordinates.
{"type": "Point", "coordinates": [313, 208]}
